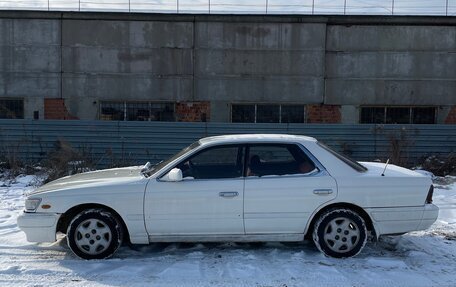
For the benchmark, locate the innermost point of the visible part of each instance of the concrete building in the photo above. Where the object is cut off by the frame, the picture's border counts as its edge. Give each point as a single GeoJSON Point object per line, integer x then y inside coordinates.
{"type": "Point", "coordinates": [240, 68]}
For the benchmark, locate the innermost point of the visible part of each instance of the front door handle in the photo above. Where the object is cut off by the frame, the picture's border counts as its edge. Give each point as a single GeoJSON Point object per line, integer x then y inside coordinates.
{"type": "Point", "coordinates": [228, 194]}
{"type": "Point", "coordinates": [323, 191]}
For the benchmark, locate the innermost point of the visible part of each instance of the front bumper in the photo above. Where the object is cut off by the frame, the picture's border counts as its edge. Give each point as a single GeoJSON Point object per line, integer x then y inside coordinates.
{"type": "Point", "coordinates": [39, 227]}
{"type": "Point", "coordinates": [398, 220]}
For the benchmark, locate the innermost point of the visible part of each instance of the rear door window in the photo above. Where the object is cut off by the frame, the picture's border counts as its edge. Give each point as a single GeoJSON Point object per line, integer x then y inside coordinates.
{"type": "Point", "coordinates": [278, 159]}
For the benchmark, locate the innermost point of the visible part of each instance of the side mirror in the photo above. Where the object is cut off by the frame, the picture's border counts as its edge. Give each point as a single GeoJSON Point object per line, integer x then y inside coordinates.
{"type": "Point", "coordinates": [173, 175]}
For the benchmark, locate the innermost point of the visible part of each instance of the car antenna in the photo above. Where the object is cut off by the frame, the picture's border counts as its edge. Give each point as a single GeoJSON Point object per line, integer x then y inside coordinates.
{"type": "Point", "coordinates": [386, 165]}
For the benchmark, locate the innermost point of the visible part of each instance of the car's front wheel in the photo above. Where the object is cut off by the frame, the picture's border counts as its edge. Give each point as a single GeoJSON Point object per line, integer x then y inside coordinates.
{"type": "Point", "coordinates": [340, 233]}
{"type": "Point", "coordinates": [94, 234]}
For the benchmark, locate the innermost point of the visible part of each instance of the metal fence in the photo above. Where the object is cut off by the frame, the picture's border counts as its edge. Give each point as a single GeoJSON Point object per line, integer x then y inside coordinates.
{"type": "Point", "coordinates": [344, 7]}
{"type": "Point", "coordinates": [138, 142]}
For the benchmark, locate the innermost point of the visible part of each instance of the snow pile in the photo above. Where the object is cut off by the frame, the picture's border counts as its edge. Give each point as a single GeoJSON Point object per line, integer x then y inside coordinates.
{"type": "Point", "coordinates": [425, 258]}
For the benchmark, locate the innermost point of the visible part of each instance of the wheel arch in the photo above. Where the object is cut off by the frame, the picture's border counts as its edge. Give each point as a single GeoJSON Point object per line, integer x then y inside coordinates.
{"type": "Point", "coordinates": [68, 215]}
{"type": "Point", "coordinates": [369, 223]}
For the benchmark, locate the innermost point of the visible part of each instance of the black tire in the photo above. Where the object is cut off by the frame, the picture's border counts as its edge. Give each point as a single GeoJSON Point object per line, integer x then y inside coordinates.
{"type": "Point", "coordinates": [94, 234]}
{"type": "Point", "coordinates": [340, 233]}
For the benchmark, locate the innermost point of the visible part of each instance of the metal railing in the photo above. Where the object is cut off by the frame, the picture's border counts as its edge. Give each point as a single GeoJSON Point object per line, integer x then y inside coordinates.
{"type": "Point", "coordinates": [325, 7]}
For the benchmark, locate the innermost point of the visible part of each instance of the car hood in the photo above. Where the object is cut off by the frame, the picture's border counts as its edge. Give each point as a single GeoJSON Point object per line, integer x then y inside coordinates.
{"type": "Point", "coordinates": [93, 178]}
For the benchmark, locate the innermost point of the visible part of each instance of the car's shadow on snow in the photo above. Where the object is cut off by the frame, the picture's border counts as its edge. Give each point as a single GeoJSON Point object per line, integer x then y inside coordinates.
{"type": "Point", "coordinates": [183, 248]}
{"type": "Point", "coordinates": [386, 245]}
{"type": "Point", "coordinates": [166, 262]}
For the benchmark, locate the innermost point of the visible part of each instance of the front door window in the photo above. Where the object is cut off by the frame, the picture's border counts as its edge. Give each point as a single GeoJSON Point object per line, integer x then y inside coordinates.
{"type": "Point", "coordinates": [214, 163]}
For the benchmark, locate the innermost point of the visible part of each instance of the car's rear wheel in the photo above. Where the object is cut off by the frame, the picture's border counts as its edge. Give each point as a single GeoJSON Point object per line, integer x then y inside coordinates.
{"type": "Point", "coordinates": [94, 234]}
{"type": "Point", "coordinates": [340, 233]}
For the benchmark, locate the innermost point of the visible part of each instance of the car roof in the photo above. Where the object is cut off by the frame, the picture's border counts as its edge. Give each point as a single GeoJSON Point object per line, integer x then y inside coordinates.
{"type": "Point", "coordinates": [246, 138]}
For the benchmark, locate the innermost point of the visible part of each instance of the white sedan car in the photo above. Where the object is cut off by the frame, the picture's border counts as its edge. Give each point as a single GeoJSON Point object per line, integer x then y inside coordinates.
{"type": "Point", "coordinates": [233, 188]}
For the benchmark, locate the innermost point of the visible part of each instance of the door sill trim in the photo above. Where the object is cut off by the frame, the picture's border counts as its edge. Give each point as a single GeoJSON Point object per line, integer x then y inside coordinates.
{"type": "Point", "coordinates": [227, 238]}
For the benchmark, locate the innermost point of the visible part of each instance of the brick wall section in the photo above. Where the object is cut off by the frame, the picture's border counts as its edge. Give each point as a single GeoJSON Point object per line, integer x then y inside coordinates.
{"type": "Point", "coordinates": [193, 111]}
{"type": "Point", "coordinates": [451, 118]}
{"type": "Point", "coordinates": [329, 114]}
{"type": "Point", "coordinates": [55, 109]}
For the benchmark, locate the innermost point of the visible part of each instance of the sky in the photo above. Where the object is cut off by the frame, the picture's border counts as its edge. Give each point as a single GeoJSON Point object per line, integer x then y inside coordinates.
{"type": "Point", "coordinates": [351, 7]}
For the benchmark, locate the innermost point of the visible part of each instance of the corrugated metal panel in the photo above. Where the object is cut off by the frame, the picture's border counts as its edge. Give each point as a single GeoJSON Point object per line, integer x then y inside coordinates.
{"type": "Point", "coordinates": [138, 142]}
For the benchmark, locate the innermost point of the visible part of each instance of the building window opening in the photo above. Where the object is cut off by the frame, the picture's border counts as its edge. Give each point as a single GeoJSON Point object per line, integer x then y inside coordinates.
{"type": "Point", "coordinates": [112, 111]}
{"type": "Point", "coordinates": [398, 115]}
{"type": "Point", "coordinates": [243, 113]}
{"type": "Point", "coordinates": [424, 115]}
{"type": "Point", "coordinates": [136, 111]}
{"type": "Point", "coordinates": [11, 109]}
{"type": "Point", "coordinates": [292, 114]}
{"type": "Point", "coordinates": [267, 113]}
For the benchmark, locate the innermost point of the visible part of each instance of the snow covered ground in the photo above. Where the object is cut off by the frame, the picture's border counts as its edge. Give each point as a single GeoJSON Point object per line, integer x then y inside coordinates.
{"type": "Point", "coordinates": [425, 258]}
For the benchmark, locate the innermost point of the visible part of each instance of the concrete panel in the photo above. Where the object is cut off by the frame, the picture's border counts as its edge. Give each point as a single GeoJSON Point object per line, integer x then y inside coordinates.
{"type": "Point", "coordinates": [30, 61]}
{"type": "Point", "coordinates": [220, 111]}
{"type": "Point", "coordinates": [262, 89]}
{"type": "Point", "coordinates": [380, 64]}
{"type": "Point", "coordinates": [163, 61]}
{"type": "Point", "coordinates": [36, 32]}
{"type": "Point", "coordinates": [6, 59]}
{"type": "Point", "coordinates": [126, 87]}
{"type": "Point", "coordinates": [3, 89]}
{"type": "Point", "coordinates": [36, 59]}
{"type": "Point", "coordinates": [442, 114]}
{"type": "Point", "coordinates": [386, 38]}
{"type": "Point", "coordinates": [350, 114]}
{"type": "Point", "coordinates": [390, 92]}
{"type": "Point", "coordinates": [95, 33]}
{"type": "Point", "coordinates": [85, 108]}
{"type": "Point", "coordinates": [127, 34]}
{"type": "Point", "coordinates": [32, 104]}
{"type": "Point", "coordinates": [161, 34]}
{"type": "Point", "coordinates": [259, 62]}
{"type": "Point", "coordinates": [295, 36]}
{"type": "Point", "coordinates": [6, 32]}
{"type": "Point", "coordinates": [30, 85]}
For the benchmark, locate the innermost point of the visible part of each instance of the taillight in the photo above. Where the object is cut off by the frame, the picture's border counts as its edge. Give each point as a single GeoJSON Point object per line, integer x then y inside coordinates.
{"type": "Point", "coordinates": [430, 193]}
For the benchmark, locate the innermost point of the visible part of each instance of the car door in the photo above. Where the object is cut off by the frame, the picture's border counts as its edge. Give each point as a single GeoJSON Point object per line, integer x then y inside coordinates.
{"type": "Point", "coordinates": [283, 187]}
{"type": "Point", "coordinates": [209, 199]}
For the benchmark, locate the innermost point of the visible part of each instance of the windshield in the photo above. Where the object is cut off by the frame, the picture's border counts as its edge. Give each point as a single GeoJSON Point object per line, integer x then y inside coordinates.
{"type": "Point", "coordinates": [353, 164]}
{"type": "Point", "coordinates": [163, 163]}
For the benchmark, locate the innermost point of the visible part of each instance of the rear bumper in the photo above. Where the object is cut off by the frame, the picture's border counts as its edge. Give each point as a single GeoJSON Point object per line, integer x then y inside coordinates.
{"type": "Point", "coordinates": [397, 220]}
{"type": "Point", "coordinates": [39, 227]}
{"type": "Point", "coordinates": [430, 214]}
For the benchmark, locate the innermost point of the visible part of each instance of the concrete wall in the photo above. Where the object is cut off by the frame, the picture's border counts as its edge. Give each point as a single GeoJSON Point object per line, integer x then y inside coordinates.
{"type": "Point", "coordinates": [109, 60]}
{"type": "Point", "coordinates": [259, 62]}
{"type": "Point", "coordinates": [391, 65]}
{"type": "Point", "coordinates": [346, 61]}
{"type": "Point", "coordinates": [30, 61]}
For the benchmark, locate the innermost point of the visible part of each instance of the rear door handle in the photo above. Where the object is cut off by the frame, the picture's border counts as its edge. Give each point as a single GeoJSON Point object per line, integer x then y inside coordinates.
{"type": "Point", "coordinates": [228, 194]}
{"type": "Point", "coordinates": [323, 191]}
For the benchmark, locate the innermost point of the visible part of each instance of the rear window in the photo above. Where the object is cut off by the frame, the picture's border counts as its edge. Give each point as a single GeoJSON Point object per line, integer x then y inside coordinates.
{"type": "Point", "coordinates": [353, 164]}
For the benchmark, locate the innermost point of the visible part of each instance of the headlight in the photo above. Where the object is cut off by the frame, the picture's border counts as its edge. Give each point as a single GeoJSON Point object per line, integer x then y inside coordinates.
{"type": "Point", "coordinates": [31, 204]}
